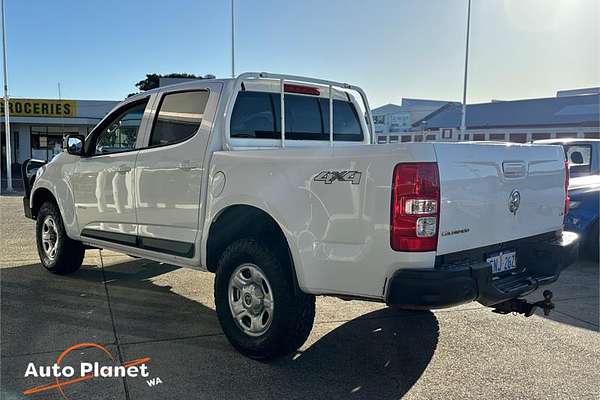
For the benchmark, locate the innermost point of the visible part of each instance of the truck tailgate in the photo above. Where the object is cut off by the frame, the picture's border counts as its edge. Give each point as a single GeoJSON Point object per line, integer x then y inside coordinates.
{"type": "Point", "coordinates": [477, 183]}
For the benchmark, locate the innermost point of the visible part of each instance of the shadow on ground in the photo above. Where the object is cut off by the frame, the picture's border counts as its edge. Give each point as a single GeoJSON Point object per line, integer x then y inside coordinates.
{"type": "Point", "coordinates": [576, 296]}
{"type": "Point", "coordinates": [381, 354]}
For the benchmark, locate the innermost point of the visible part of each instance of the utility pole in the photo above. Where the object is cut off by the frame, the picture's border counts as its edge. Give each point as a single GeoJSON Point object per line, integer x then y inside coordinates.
{"type": "Point", "coordinates": [232, 38]}
{"type": "Point", "coordinates": [463, 119]}
{"type": "Point", "coordinates": [9, 186]}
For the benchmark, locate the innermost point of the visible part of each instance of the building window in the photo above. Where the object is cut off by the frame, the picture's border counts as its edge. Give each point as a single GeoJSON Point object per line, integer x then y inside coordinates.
{"type": "Point", "coordinates": [591, 135]}
{"type": "Point", "coordinates": [498, 136]}
{"type": "Point", "coordinates": [406, 138]}
{"type": "Point", "coordinates": [14, 147]}
{"type": "Point", "coordinates": [478, 136]}
{"type": "Point", "coordinates": [466, 137]}
{"type": "Point", "coordinates": [447, 133]}
{"type": "Point", "coordinates": [418, 138]}
{"type": "Point", "coordinates": [46, 142]}
{"type": "Point", "coordinates": [562, 135]}
{"type": "Point", "coordinates": [394, 139]}
{"type": "Point", "coordinates": [540, 136]}
{"type": "Point", "coordinates": [431, 137]}
{"type": "Point", "coordinates": [381, 139]}
{"type": "Point", "coordinates": [379, 119]}
{"type": "Point", "coordinates": [518, 137]}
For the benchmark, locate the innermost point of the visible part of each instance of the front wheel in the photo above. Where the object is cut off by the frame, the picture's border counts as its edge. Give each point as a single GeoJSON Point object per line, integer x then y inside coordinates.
{"type": "Point", "coordinates": [261, 314]}
{"type": "Point", "coordinates": [58, 253]}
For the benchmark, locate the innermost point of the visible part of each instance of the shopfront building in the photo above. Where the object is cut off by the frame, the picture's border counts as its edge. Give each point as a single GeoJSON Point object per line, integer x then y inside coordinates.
{"type": "Point", "coordinates": [39, 125]}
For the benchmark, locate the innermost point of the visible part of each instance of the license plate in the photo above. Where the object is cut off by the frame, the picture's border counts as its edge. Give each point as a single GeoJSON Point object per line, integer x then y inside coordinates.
{"type": "Point", "coordinates": [502, 261]}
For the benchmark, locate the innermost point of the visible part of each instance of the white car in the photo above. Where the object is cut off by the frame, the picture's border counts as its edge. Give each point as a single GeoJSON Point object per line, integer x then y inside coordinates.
{"type": "Point", "coordinates": [273, 183]}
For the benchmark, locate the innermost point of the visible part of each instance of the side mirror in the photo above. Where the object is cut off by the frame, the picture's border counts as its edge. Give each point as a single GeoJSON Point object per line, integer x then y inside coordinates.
{"type": "Point", "coordinates": [75, 145]}
{"type": "Point", "coordinates": [577, 157]}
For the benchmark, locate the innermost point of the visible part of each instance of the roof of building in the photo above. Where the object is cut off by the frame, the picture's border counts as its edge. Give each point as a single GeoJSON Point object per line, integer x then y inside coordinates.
{"type": "Point", "coordinates": [581, 110]}
{"type": "Point", "coordinates": [387, 109]}
{"type": "Point", "coordinates": [408, 104]}
{"type": "Point", "coordinates": [426, 103]}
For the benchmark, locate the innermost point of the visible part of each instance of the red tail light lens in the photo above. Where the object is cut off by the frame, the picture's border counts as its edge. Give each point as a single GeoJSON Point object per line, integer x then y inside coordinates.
{"type": "Point", "coordinates": [567, 199]}
{"type": "Point", "coordinates": [415, 207]}
{"type": "Point", "coordinates": [301, 89]}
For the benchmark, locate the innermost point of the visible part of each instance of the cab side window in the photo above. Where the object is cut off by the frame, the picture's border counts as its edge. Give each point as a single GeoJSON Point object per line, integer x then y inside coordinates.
{"type": "Point", "coordinates": [252, 116]}
{"type": "Point", "coordinates": [179, 117]}
{"type": "Point", "coordinates": [120, 133]}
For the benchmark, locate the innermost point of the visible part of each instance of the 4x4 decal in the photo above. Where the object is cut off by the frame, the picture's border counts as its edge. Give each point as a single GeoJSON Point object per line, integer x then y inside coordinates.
{"type": "Point", "coordinates": [343, 176]}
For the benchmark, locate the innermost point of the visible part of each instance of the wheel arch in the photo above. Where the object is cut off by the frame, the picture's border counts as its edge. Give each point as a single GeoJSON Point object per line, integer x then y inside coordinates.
{"type": "Point", "coordinates": [237, 221]}
{"type": "Point", "coordinates": [38, 197]}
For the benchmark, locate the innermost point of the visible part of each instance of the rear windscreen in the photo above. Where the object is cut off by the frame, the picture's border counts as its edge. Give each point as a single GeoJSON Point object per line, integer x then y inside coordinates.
{"type": "Point", "coordinates": [256, 115]}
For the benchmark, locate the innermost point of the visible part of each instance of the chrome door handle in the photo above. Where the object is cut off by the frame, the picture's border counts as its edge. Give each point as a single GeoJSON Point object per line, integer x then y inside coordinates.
{"type": "Point", "coordinates": [123, 169]}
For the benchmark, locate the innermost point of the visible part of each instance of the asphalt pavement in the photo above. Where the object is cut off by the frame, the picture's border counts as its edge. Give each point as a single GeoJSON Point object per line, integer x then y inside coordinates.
{"type": "Point", "coordinates": [357, 350]}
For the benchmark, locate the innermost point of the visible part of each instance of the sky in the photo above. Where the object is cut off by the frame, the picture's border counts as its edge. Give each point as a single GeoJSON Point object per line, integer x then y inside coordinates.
{"type": "Point", "coordinates": [391, 48]}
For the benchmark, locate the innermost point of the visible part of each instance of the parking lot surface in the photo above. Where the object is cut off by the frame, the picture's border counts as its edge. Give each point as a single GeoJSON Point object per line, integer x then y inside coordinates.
{"type": "Point", "coordinates": [138, 308]}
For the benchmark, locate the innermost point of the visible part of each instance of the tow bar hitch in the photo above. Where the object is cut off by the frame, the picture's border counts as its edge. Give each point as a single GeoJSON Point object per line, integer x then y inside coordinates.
{"type": "Point", "coordinates": [521, 306]}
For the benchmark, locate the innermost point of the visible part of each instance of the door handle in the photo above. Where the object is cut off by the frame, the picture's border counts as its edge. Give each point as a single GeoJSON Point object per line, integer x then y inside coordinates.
{"type": "Point", "coordinates": [514, 169]}
{"type": "Point", "coordinates": [123, 168]}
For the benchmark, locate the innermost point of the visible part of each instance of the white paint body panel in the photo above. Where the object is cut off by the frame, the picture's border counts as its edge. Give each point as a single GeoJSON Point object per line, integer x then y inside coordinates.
{"type": "Point", "coordinates": [170, 197]}
{"type": "Point", "coordinates": [475, 190]}
{"type": "Point", "coordinates": [104, 192]}
{"type": "Point", "coordinates": [338, 233]}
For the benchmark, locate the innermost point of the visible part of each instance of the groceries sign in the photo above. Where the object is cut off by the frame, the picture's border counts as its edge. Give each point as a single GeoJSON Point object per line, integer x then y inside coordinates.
{"type": "Point", "coordinates": [40, 108]}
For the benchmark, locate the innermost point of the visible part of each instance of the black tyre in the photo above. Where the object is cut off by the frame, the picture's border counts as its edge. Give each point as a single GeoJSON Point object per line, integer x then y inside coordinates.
{"type": "Point", "coordinates": [59, 254]}
{"type": "Point", "coordinates": [271, 318]}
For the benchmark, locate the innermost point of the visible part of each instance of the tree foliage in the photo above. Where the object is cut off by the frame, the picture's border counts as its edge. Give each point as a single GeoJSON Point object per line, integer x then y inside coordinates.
{"type": "Point", "coordinates": [152, 80]}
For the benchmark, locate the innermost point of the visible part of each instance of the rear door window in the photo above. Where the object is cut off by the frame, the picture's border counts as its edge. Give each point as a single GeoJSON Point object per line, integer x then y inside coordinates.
{"type": "Point", "coordinates": [256, 115]}
{"type": "Point", "coordinates": [179, 117]}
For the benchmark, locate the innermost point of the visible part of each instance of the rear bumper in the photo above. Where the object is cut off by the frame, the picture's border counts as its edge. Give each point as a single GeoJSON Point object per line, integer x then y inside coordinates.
{"type": "Point", "coordinates": [465, 277]}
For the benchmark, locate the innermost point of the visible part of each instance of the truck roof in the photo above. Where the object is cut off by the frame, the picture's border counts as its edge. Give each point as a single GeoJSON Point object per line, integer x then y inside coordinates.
{"type": "Point", "coordinates": [259, 85]}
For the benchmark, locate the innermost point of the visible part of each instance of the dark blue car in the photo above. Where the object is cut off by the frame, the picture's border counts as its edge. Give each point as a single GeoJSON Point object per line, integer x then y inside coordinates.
{"type": "Point", "coordinates": [583, 213]}
{"type": "Point", "coordinates": [584, 190]}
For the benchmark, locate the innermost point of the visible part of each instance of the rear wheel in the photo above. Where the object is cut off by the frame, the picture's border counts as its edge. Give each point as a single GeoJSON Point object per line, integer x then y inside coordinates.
{"type": "Point", "coordinates": [58, 253]}
{"type": "Point", "coordinates": [260, 312]}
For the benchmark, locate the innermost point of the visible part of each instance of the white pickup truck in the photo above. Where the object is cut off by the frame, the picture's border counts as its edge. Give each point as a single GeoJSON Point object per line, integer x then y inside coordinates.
{"type": "Point", "coordinates": [273, 183]}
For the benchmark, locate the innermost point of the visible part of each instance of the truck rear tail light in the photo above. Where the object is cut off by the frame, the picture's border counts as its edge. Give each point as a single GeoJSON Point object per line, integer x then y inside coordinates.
{"type": "Point", "coordinates": [426, 227]}
{"type": "Point", "coordinates": [415, 207]}
{"type": "Point", "coordinates": [420, 206]}
{"type": "Point", "coordinates": [567, 198]}
{"type": "Point", "coordinates": [301, 89]}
